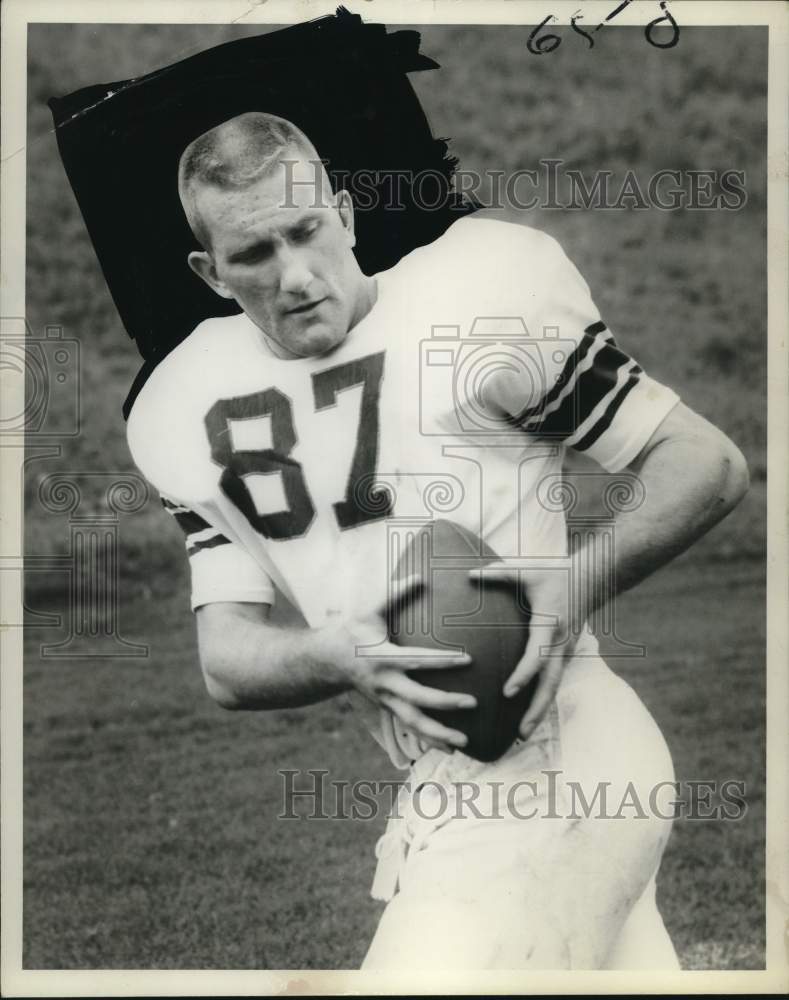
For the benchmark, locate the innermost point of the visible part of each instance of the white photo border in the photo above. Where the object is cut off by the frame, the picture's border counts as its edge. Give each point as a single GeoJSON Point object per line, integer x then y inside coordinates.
{"type": "Point", "coordinates": [16, 15]}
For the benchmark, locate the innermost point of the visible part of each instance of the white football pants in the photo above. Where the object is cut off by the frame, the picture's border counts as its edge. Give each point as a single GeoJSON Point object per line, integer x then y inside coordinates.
{"type": "Point", "coordinates": [545, 859]}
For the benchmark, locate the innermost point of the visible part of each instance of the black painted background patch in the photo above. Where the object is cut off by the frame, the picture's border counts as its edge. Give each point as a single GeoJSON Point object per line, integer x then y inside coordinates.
{"type": "Point", "coordinates": [343, 82]}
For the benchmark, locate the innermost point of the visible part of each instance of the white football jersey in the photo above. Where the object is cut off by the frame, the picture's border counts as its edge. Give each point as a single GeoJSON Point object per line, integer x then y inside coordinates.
{"type": "Point", "coordinates": [482, 358]}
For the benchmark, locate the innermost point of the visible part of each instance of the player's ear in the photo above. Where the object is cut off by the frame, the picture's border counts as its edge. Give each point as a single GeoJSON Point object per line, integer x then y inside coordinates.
{"type": "Point", "coordinates": [202, 264]}
{"type": "Point", "coordinates": [344, 204]}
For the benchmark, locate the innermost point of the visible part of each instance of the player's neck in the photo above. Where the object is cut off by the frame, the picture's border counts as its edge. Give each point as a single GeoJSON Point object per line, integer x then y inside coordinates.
{"type": "Point", "coordinates": [367, 298]}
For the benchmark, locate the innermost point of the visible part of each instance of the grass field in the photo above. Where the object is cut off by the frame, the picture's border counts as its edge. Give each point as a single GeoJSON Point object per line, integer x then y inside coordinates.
{"type": "Point", "coordinates": [151, 838]}
{"type": "Point", "coordinates": [150, 832]}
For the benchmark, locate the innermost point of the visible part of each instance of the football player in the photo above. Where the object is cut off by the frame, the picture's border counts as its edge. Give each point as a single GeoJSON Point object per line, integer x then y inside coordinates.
{"type": "Point", "coordinates": [291, 439]}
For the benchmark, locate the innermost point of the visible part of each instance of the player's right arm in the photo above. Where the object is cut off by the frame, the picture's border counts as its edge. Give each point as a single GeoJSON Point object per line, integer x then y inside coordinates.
{"type": "Point", "coordinates": [248, 662]}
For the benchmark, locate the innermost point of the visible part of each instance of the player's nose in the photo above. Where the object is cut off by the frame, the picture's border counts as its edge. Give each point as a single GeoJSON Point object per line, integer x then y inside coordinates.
{"type": "Point", "coordinates": [295, 273]}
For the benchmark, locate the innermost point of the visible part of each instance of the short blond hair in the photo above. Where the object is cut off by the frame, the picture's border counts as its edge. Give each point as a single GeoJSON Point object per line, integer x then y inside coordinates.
{"type": "Point", "coordinates": [233, 156]}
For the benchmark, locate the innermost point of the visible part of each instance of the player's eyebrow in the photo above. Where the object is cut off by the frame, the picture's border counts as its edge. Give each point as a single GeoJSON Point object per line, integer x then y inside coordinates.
{"type": "Point", "coordinates": [263, 246]}
{"type": "Point", "coordinates": [257, 248]}
{"type": "Point", "coordinates": [306, 218]}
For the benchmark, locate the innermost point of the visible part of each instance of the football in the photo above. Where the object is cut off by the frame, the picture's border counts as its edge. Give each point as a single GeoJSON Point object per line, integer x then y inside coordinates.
{"type": "Point", "coordinates": [454, 612]}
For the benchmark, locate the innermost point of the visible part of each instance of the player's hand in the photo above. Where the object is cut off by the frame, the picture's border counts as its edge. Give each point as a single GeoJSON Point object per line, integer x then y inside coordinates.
{"type": "Point", "coordinates": [545, 589]}
{"type": "Point", "coordinates": [379, 669]}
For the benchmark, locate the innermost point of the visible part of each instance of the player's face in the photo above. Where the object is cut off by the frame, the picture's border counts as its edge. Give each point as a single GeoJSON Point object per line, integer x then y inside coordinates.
{"type": "Point", "coordinates": [282, 248]}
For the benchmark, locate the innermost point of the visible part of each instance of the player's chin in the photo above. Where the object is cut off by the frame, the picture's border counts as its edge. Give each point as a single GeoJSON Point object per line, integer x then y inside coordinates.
{"type": "Point", "coordinates": [320, 338]}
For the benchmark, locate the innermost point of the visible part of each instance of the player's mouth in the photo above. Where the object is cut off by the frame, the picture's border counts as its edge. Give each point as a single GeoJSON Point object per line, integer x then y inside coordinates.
{"type": "Point", "coordinates": [305, 307]}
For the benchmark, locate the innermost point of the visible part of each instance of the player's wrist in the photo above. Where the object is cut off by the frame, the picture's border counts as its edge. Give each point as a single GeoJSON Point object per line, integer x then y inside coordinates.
{"type": "Point", "coordinates": [337, 642]}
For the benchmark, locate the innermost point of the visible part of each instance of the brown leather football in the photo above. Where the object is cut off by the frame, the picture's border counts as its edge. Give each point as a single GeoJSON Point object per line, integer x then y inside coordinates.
{"type": "Point", "coordinates": [454, 612]}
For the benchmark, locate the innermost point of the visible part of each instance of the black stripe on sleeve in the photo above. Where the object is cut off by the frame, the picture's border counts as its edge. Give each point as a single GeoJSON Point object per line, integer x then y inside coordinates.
{"type": "Point", "coordinates": [590, 337]}
{"type": "Point", "coordinates": [209, 543]}
{"type": "Point", "coordinates": [187, 519]}
{"type": "Point", "coordinates": [607, 418]}
{"type": "Point", "coordinates": [191, 523]}
{"type": "Point", "coordinates": [595, 328]}
{"type": "Point", "coordinates": [571, 364]}
{"type": "Point", "coordinates": [592, 387]}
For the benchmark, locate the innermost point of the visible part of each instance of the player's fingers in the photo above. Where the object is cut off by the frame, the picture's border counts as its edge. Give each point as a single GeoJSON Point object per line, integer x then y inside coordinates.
{"type": "Point", "coordinates": [401, 591]}
{"type": "Point", "coordinates": [529, 664]}
{"type": "Point", "coordinates": [423, 724]}
{"type": "Point", "coordinates": [543, 697]}
{"type": "Point", "coordinates": [425, 744]}
{"type": "Point", "coordinates": [420, 657]}
{"type": "Point", "coordinates": [428, 697]}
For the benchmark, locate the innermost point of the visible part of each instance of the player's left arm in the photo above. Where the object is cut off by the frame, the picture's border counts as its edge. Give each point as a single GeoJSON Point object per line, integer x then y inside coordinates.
{"type": "Point", "coordinates": [599, 401]}
{"type": "Point", "coordinates": [692, 475]}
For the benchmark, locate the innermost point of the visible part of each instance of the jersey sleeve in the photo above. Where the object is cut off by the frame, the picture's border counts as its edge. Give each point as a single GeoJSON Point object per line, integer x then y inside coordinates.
{"type": "Point", "coordinates": [594, 397]}
{"type": "Point", "coordinates": [221, 569]}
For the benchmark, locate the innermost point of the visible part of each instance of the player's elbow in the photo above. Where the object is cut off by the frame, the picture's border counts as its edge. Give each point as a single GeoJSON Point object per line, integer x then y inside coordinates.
{"type": "Point", "coordinates": [220, 690]}
{"type": "Point", "coordinates": [233, 685]}
{"type": "Point", "coordinates": [222, 695]}
{"type": "Point", "coordinates": [733, 478]}
{"type": "Point", "coordinates": [216, 667]}
{"type": "Point", "coordinates": [222, 669]}
{"type": "Point", "coordinates": [717, 476]}
{"type": "Point", "coordinates": [229, 638]}
{"type": "Point", "coordinates": [701, 461]}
